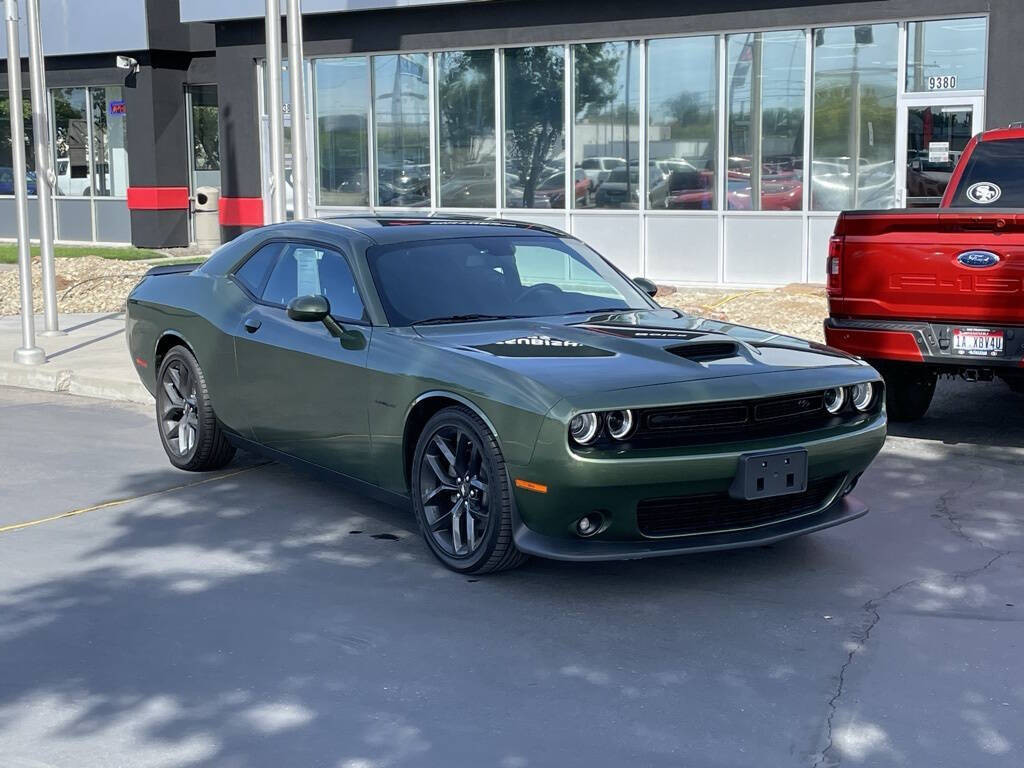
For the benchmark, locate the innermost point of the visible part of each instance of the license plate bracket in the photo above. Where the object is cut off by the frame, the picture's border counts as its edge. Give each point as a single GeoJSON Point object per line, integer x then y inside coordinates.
{"type": "Point", "coordinates": [978, 342]}
{"type": "Point", "coordinates": [771, 473]}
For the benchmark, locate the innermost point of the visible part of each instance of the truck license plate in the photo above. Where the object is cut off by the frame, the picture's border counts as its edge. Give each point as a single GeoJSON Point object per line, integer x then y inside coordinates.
{"type": "Point", "coordinates": [980, 342]}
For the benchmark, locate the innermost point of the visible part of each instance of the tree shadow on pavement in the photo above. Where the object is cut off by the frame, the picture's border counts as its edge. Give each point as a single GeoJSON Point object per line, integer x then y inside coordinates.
{"type": "Point", "coordinates": [270, 618]}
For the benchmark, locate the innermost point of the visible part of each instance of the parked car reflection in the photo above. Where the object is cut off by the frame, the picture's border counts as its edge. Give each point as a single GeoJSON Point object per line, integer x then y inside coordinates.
{"type": "Point", "coordinates": [7, 181]}
{"type": "Point", "coordinates": [832, 184]}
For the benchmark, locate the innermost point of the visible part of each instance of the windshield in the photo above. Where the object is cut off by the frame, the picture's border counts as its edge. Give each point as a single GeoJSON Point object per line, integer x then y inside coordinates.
{"type": "Point", "coordinates": [994, 176]}
{"type": "Point", "coordinates": [488, 277]}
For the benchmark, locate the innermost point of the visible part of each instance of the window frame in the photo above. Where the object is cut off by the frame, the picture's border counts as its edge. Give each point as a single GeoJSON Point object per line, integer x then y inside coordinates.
{"type": "Point", "coordinates": [298, 241]}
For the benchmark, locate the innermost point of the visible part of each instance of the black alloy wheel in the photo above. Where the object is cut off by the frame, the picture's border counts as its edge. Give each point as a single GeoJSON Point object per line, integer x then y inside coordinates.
{"type": "Point", "coordinates": [461, 494]}
{"type": "Point", "coordinates": [189, 431]}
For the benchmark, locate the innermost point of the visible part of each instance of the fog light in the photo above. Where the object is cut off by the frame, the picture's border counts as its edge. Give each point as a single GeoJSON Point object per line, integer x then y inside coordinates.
{"type": "Point", "coordinates": [583, 427]}
{"type": "Point", "coordinates": [835, 399]}
{"type": "Point", "coordinates": [590, 524]}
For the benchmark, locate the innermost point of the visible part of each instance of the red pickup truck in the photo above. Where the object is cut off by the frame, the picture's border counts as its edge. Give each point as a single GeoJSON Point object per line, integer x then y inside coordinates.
{"type": "Point", "coordinates": [923, 293]}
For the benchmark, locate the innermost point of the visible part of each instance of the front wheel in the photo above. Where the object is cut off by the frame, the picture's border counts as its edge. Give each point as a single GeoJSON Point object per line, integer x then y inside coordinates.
{"type": "Point", "coordinates": [189, 431]}
{"type": "Point", "coordinates": [461, 494]}
{"type": "Point", "coordinates": [909, 389]}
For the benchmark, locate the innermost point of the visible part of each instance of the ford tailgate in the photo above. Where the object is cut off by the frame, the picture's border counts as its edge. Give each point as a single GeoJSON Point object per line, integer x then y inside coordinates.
{"type": "Point", "coordinates": [912, 265]}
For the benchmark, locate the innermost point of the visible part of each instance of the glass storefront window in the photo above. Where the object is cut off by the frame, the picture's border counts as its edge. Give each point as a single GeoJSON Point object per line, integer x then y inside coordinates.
{"type": "Point", "coordinates": [465, 108]}
{"type": "Point", "coordinates": [606, 133]}
{"type": "Point", "coordinates": [342, 108]}
{"type": "Point", "coordinates": [205, 123]}
{"type": "Point", "coordinates": [766, 120]}
{"type": "Point", "coordinates": [402, 127]}
{"type": "Point", "coordinates": [81, 115]}
{"type": "Point", "coordinates": [71, 141]}
{"type": "Point", "coordinates": [110, 155]}
{"type": "Point", "coordinates": [947, 55]}
{"type": "Point", "coordinates": [682, 129]}
{"type": "Point", "coordinates": [854, 153]}
{"type": "Point", "coordinates": [534, 125]}
{"type": "Point", "coordinates": [6, 163]}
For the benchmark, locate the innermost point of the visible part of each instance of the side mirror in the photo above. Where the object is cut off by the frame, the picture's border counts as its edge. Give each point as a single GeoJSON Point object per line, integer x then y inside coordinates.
{"type": "Point", "coordinates": [647, 286]}
{"type": "Point", "coordinates": [309, 309]}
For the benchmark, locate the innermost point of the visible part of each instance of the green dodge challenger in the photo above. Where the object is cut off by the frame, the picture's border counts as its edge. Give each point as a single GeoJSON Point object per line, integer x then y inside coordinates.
{"type": "Point", "coordinates": [524, 396]}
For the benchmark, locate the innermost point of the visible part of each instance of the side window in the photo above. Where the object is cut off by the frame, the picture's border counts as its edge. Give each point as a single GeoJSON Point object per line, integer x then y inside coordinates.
{"type": "Point", "coordinates": [307, 270]}
{"type": "Point", "coordinates": [252, 272]}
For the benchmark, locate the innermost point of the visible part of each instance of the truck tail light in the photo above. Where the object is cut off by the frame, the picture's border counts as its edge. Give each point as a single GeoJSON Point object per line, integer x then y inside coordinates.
{"type": "Point", "coordinates": [834, 267]}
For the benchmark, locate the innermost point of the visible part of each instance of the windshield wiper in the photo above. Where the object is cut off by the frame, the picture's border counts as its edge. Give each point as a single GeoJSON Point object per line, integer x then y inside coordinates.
{"type": "Point", "coordinates": [464, 318]}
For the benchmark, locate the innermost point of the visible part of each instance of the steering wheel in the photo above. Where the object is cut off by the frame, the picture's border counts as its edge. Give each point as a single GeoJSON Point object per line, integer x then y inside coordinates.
{"type": "Point", "coordinates": [537, 288]}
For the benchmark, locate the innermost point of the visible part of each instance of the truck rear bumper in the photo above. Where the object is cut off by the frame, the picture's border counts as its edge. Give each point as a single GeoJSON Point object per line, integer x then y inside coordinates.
{"type": "Point", "coordinates": [922, 342]}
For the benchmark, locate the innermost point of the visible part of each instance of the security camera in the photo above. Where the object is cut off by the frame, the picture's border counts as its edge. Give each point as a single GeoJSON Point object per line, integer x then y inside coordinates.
{"type": "Point", "coordinates": [127, 62]}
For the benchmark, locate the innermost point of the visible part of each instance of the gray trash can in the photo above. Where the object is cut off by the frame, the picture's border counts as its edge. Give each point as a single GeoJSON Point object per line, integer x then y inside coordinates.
{"type": "Point", "coordinates": [207, 220]}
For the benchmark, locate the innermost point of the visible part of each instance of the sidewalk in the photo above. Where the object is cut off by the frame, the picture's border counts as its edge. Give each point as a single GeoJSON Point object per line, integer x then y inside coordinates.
{"type": "Point", "coordinates": [91, 360]}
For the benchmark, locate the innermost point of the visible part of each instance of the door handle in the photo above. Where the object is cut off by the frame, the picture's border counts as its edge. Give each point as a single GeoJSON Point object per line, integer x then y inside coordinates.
{"type": "Point", "coordinates": [252, 325]}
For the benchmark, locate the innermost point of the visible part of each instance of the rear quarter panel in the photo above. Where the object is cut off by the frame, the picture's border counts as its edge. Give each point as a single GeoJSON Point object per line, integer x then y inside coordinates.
{"type": "Point", "coordinates": [202, 310]}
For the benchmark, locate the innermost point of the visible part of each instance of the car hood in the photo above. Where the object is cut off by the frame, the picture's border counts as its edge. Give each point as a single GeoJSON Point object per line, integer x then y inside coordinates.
{"type": "Point", "coordinates": [637, 348]}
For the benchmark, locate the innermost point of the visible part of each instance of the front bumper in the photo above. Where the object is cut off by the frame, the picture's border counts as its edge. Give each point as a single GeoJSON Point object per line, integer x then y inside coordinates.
{"type": "Point", "coordinates": [616, 485]}
{"type": "Point", "coordinates": [840, 511]}
{"type": "Point", "coordinates": [917, 341]}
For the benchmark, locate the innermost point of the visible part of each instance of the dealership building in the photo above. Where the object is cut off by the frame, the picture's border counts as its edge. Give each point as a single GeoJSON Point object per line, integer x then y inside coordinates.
{"type": "Point", "coordinates": [697, 141]}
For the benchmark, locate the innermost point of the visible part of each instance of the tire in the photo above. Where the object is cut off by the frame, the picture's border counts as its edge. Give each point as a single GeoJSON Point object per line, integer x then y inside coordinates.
{"type": "Point", "coordinates": [909, 389]}
{"type": "Point", "coordinates": [189, 431]}
{"type": "Point", "coordinates": [459, 481]}
{"type": "Point", "coordinates": [1015, 383]}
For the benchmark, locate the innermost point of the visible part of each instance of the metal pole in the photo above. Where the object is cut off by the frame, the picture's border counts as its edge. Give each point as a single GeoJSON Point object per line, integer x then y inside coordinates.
{"type": "Point", "coordinates": [756, 121]}
{"type": "Point", "coordinates": [296, 71]}
{"type": "Point", "coordinates": [278, 193]}
{"type": "Point", "coordinates": [44, 174]}
{"type": "Point", "coordinates": [28, 353]}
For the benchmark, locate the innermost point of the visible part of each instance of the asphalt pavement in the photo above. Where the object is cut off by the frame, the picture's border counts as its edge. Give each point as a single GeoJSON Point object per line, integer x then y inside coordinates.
{"type": "Point", "coordinates": [259, 616]}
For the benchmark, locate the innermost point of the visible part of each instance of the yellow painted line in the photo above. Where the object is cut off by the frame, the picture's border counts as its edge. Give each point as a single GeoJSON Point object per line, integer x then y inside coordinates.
{"type": "Point", "coordinates": [119, 502]}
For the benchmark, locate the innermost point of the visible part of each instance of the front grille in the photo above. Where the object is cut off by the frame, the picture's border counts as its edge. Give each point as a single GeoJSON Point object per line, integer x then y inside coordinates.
{"type": "Point", "coordinates": [743, 419]}
{"type": "Point", "coordinates": [711, 512]}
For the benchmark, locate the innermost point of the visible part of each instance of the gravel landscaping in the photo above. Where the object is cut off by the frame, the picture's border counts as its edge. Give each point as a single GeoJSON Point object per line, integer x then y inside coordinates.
{"type": "Point", "coordinates": [797, 310]}
{"type": "Point", "coordinates": [93, 284]}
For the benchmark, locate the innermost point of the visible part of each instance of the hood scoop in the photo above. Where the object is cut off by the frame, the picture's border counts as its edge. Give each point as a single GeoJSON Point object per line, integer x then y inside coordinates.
{"type": "Point", "coordinates": [706, 351]}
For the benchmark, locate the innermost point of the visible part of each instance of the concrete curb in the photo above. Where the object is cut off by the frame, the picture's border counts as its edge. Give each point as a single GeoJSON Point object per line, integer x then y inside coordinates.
{"type": "Point", "coordinates": [50, 377]}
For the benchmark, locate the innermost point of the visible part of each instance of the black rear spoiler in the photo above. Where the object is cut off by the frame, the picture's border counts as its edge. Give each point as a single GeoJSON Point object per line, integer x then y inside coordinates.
{"type": "Point", "coordinates": [173, 269]}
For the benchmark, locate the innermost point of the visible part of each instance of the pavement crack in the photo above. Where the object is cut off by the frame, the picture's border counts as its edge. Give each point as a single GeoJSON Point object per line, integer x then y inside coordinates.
{"type": "Point", "coordinates": [871, 608]}
{"type": "Point", "coordinates": [944, 507]}
{"type": "Point", "coordinates": [873, 616]}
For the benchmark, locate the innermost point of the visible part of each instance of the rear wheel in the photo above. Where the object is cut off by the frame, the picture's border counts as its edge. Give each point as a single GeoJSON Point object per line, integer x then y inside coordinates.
{"type": "Point", "coordinates": [189, 431]}
{"type": "Point", "coordinates": [461, 494]}
{"type": "Point", "coordinates": [1015, 383]}
{"type": "Point", "coordinates": [909, 389]}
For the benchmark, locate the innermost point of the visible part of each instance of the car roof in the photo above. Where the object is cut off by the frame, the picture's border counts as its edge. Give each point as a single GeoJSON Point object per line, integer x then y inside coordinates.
{"type": "Point", "coordinates": [408, 227]}
{"type": "Point", "coordinates": [1003, 134]}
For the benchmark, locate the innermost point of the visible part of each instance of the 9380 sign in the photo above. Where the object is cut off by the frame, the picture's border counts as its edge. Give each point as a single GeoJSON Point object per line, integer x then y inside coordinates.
{"type": "Point", "coordinates": [941, 82]}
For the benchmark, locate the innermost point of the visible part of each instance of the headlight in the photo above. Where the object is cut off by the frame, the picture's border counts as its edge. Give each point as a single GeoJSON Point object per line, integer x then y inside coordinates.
{"type": "Point", "coordinates": [861, 396]}
{"type": "Point", "coordinates": [620, 423]}
{"type": "Point", "coordinates": [835, 399]}
{"type": "Point", "coordinates": [583, 428]}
